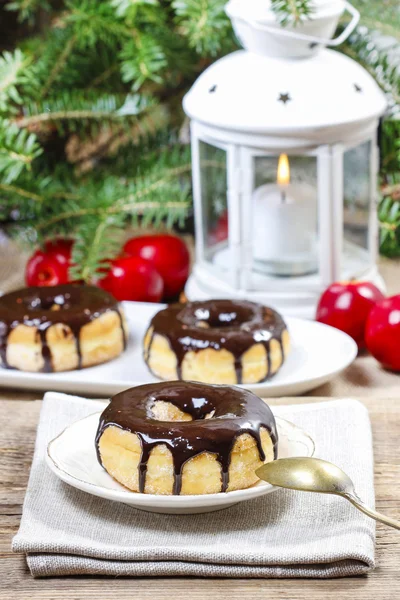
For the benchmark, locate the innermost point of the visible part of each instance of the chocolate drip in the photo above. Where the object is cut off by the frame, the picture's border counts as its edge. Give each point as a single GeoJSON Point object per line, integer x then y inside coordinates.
{"type": "Point", "coordinates": [70, 305]}
{"type": "Point", "coordinates": [46, 352]}
{"type": "Point", "coordinates": [238, 368]}
{"type": "Point", "coordinates": [121, 323]}
{"type": "Point", "coordinates": [232, 412]}
{"type": "Point", "coordinates": [235, 325]}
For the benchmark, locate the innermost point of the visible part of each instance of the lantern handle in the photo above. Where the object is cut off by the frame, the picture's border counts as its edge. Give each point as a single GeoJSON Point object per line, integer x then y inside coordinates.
{"type": "Point", "coordinates": [309, 38]}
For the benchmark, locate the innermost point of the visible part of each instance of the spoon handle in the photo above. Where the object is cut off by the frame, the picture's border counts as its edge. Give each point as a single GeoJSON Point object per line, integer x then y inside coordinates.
{"type": "Point", "coordinates": [370, 512]}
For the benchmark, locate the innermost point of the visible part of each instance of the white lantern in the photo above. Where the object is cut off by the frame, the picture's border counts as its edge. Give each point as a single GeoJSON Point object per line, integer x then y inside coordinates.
{"type": "Point", "coordinates": [285, 160]}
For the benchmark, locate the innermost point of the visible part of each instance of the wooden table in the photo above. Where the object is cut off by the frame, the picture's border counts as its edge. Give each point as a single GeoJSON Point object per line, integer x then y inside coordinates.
{"type": "Point", "coordinates": [18, 419]}
{"type": "Point", "coordinates": [379, 390]}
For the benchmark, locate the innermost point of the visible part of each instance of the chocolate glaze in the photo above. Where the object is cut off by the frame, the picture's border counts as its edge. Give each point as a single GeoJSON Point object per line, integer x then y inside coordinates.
{"type": "Point", "coordinates": [72, 305]}
{"type": "Point", "coordinates": [231, 324]}
{"type": "Point", "coordinates": [234, 411]}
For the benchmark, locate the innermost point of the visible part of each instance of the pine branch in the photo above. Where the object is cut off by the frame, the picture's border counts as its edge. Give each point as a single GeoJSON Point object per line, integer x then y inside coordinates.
{"type": "Point", "coordinates": [17, 191]}
{"type": "Point", "coordinates": [151, 210]}
{"type": "Point", "coordinates": [158, 193]}
{"type": "Point", "coordinates": [96, 242]}
{"type": "Point", "coordinates": [292, 12]}
{"type": "Point", "coordinates": [80, 40]}
{"type": "Point", "coordinates": [104, 75]}
{"type": "Point", "coordinates": [78, 106]}
{"type": "Point", "coordinates": [129, 203]}
{"type": "Point", "coordinates": [58, 65]}
{"type": "Point", "coordinates": [27, 9]}
{"type": "Point", "coordinates": [390, 147]}
{"type": "Point", "coordinates": [94, 22]}
{"type": "Point", "coordinates": [128, 9]}
{"type": "Point", "coordinates": [380, 16]}
{"type": "Point", "coordinates": [112, 137]}
{"type": "Point", "coordinates": [37, 193]}
{"type": "Point", "coordinates": [18, 149]}
{"type": "Point", "coordinates": [363, 48]}
{"type": "Point", "coordinates": [380, 58]}
{"type": "Point", "coordinates": [13, 72]}
{"type": "Point", "coordinates": [389, 219]}
{"type": "Point", "coordinates": [205, 24]}
{"type": "Point", "coordinates": [97, 214]}
{"type": "Point", "coordinates": [142, 60]}
{"type": "Point", "coordinates": [384, 28]}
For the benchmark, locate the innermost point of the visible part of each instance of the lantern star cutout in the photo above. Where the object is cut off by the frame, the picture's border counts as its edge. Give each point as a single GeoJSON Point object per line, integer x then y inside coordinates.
{"type": "Point", "coordinates": [284, 98]}
{"type": "Point", "coordinates": [357, 87]}
{"type": "Point", "coordinates": [212, 89]}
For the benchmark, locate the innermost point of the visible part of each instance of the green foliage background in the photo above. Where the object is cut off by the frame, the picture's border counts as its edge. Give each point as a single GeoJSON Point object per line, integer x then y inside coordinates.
{"type": "Point", "coordinates": [90, 112]}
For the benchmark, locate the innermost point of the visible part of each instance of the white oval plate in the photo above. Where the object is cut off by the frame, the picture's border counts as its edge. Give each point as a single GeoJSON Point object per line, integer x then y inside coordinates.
{"type": "Point", "coordinates": [72, 457]}
{"type": "Point", "coordinates": [318, 353]}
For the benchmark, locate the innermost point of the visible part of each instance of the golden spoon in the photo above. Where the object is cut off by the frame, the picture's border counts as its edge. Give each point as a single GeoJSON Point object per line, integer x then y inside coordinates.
{"type": "Point", "coordinates": [315, 475]}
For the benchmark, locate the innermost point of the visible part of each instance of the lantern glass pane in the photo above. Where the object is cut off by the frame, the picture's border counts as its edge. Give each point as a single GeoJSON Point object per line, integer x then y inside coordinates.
{"type": "Point", "coordinates": [285, 216]}
{"type": "Point", "coordinates": [213, 178]}
{"type": "Point", "coordinates": [357, 190]}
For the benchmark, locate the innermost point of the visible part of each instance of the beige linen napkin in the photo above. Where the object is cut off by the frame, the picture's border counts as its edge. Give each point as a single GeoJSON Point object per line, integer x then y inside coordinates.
{"type": "Point", "coordinates": [65, 531]}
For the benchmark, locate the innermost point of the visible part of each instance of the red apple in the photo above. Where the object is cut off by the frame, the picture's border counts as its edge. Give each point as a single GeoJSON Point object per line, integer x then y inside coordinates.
{"type": "Point", "coordinates": [50, 266]}
{"type": "Point", "coordinates": [383, 332]}
{"type": "Point", "coordinates": [346, 306]}
{"type": "Point", "coordinates": [221, 229]}
{"type": "Point", "coordinates": [133, 278]}
{"type": "Point", "coordinates": [168, 254]}
{"type": "Point", "coordinates": [61, 249]}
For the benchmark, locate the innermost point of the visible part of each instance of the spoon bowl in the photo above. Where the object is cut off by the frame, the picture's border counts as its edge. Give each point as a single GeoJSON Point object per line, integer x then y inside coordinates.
{"type": "Point", "coordinates": [298, 473]}
{"type": "Point", "coordinates": [319, 476]}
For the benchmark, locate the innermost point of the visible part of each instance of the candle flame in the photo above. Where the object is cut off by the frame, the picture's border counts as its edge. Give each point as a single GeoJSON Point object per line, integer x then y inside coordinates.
{"type": "Point", "coordinates": [283, 177]}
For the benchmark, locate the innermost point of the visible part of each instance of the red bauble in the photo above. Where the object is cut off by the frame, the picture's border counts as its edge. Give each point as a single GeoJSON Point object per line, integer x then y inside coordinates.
{"type": "Point", "coordinates": [346, 306]}
{"type": "Point", "coordinates": [168, 254]}
{"type": "Point", "coordinates": [50, 266]}
{"type": "Point", "coordinates": [133, 278]}
{"type": "Point", "coordinates": [383, 332]}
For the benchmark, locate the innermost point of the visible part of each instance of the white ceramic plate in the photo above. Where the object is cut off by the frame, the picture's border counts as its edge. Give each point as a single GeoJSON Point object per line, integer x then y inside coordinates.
{"type": "Point", "coordinates": [72, 457]}
{"type": "Point", "coordinates": [318, 353]}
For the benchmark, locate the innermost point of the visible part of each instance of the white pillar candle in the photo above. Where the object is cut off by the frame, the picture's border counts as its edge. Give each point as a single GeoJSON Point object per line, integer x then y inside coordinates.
{"type": "Point", "coordinates": [285, 228]}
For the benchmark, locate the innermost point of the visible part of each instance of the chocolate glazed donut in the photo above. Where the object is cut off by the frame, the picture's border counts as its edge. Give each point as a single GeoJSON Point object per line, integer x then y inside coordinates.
{"type": "Point", "coordinates": [220, 414]}
{"type": "Point", "coordinates": [42, 307]}
{"type": "Point", "coordinates": [233, 325]}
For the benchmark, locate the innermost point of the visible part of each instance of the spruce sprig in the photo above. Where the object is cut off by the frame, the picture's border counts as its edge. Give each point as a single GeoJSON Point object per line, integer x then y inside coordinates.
{"type": "Point", "coordinates": [98, 209]}
{"type": "Point", "coordinates": [27, 9]}
{"type": "Point", "coordinates": [18, 149]}
{"type": "Point", "coordinates": [292, 12]}
{"type": "Point", "coordinates": [205, 24]}
{"type": "Point", "coordinates": [381, 61]}
{"type": "Point", "coordinates": [97, 241]}
{"type": "Point", "coordinates": [142, 60]}
{"type": "Point", "coordinates": [14, 73]}
{"type": "Point", "coordinates": [389, 219]}
{"type": "Point", "coordinates": [88, 93]}
{"type": "Point", "coordinates": [383, 17]}
{"type": "Point", "coordinates": [78, 107]}
{"type": "Point", "coordinates": [93, 22]}
{"type": "Point", "coordinates": [129, 9]}
{"type": "Point", "coordinates": [363, 46]}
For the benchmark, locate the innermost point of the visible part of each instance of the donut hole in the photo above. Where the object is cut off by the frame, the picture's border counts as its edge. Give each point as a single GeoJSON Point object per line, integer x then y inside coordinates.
{"type": "Point", "coordinates": [46, 301]}
{"type": "Point", "coordinates": [220, 317]}
{"type": "Point", "coordinates": [217, 314]}
{"type": "Point", "coordinates": [163, 410]}
{"type": "Point", "coordinates": [202, 324]}
{"type": "Point", "coordinates": [166, 411]}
